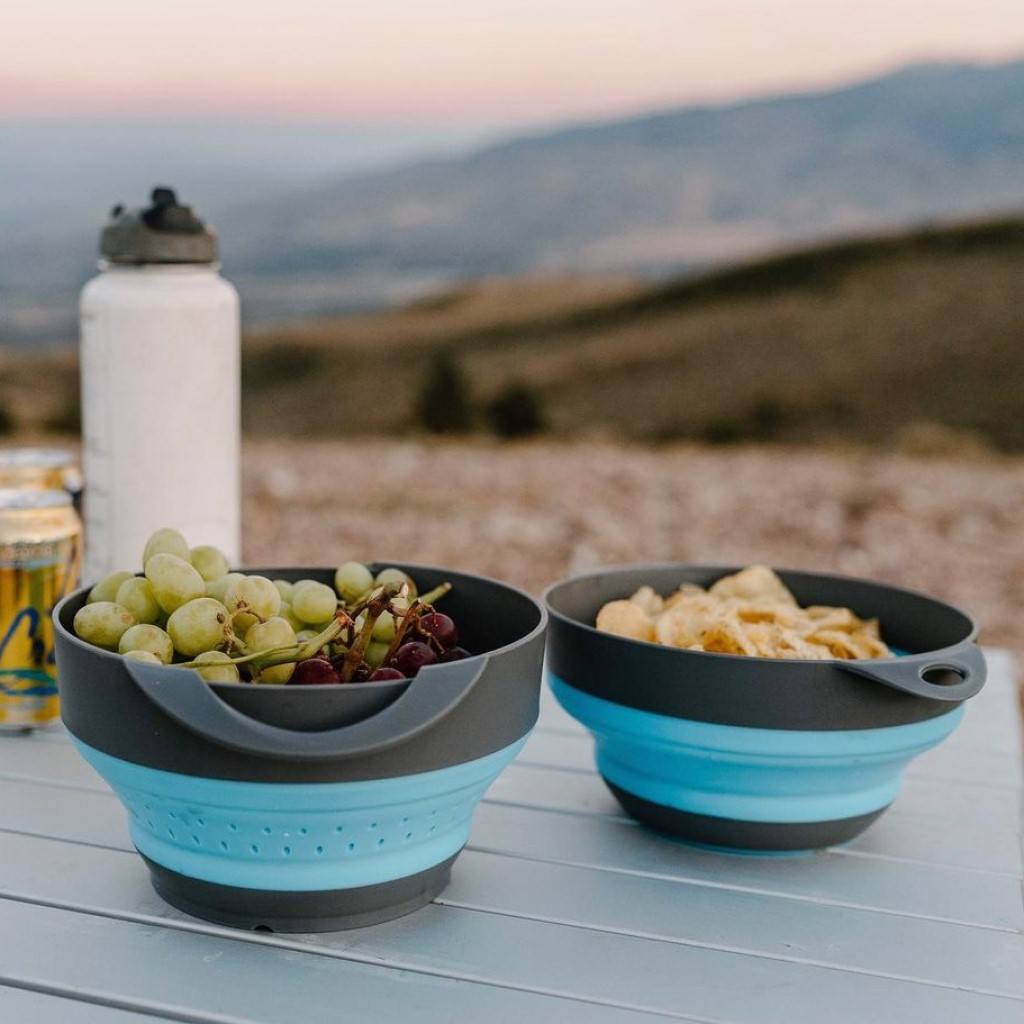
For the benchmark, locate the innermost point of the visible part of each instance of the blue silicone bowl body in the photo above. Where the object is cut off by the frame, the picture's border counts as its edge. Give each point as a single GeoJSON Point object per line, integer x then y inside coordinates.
{"type": "Point", "coordinates": [303, 837]}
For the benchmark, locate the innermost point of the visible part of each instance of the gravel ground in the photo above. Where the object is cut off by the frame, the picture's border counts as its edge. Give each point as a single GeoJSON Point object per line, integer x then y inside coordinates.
{"type": "Point", "coordinates": [531, 513]}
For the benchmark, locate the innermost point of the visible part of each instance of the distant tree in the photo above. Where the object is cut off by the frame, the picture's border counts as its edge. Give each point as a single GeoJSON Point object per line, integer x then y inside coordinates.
{"type": "Point", "coordinates": [68, 418]}
{"type": "Point", "coordinates": [516, 412]}
{"type": "Point", "coordinates": [443, 405]}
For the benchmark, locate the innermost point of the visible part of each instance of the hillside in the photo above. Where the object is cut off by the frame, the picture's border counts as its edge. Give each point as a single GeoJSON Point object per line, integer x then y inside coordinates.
{"type": "Point", "coordinates": [854, 341]}
{"type": "Point", "coordinates": [676, 190]}
{"type": "Point", "coordinates": [868, 341]}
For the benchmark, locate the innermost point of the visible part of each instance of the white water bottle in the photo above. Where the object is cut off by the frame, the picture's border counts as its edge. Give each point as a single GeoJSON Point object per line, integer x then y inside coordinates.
{"type": "Point", "coordinates": [160, 388]}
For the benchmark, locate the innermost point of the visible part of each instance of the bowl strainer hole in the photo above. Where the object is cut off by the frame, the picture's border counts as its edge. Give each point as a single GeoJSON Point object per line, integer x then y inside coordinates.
{"type": "Point", "coordinates": [339, 829]}
{"type": "Point", "coordinates": [319, 851]}
{"type": "Point", "coordinates": [195, 839]}
{"type": "Point", "coordinates": [373, 825]}
{"type": "Point", "coordinates": [943, 675]}
{"type": "Point", "coordinates": [223, 845]}
{"type": "Point", "coordinates": [433, 828]}
{"type": "Point", "coordinates": [254, 848]}
{"type": "Point", "coordinates": [408, 835]}
{"type": "Point", "coordinates": [266, 830]}
{"type": "Point", "coordinates": [286, 850]}
{"type": "Point", "coordinates": [170, 832]}
{"type": "Point", "coordinates": [233, 828]}
{"type": "Point", "coordinates": [200, 823]}
{"type": "Point", "coordinates": [351, 847]}
{"type": "Point", "coordinates": [380, 842]}
{"type": "Point", "coordinates": [303, 831]}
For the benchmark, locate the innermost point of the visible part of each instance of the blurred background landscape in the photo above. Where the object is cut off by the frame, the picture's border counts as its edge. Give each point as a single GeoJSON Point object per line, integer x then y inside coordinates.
{"type": "Point", "coordinates": [529, 289]}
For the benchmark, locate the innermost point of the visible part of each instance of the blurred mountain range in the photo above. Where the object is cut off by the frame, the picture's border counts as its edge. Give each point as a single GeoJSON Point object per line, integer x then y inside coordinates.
{"type": "Point", "coordinates": [653, 195]}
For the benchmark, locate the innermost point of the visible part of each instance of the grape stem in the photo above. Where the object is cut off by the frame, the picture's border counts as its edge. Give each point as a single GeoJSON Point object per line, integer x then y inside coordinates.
{"type": "Point", "coordinates": [435, 595]}
{"type": "Point", "coordinates": [283, 655]}
{"type": "Point", "coordinates": [373, 610]}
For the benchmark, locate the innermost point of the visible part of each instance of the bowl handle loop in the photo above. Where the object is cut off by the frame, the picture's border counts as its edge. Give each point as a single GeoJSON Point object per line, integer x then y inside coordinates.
{"type": "Point", "coordinates": [185, 697]}
{"type": "Point", "coordinates": [952, 675]}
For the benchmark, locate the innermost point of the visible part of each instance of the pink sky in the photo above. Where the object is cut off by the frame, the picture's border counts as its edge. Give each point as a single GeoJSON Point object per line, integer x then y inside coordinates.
{"type": "Point", "coordinates": [496, 60]}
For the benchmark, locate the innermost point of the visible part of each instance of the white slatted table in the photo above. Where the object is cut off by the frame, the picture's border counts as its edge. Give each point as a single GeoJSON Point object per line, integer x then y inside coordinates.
{"type": "Point", "coordinates": [560, 910]}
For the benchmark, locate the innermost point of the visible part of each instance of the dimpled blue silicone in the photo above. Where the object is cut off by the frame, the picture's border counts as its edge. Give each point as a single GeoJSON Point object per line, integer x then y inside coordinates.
{"type": "Point", "coordinates": [744, 774]}
{"type": "Point", "coordinates": [301, 836]}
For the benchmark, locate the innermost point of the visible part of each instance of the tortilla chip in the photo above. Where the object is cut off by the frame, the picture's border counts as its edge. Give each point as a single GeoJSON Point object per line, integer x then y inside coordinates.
{"type": "Point", "coordinates": [623, 618]}
{"type": "Point", "coordinates": [755, 583]}
{"type": "Point", "coordinates": [650, 602]}
{"type": "Point", "coordinates": [685, 622]}
{"type": "Point", "coordinates": [728, 636]}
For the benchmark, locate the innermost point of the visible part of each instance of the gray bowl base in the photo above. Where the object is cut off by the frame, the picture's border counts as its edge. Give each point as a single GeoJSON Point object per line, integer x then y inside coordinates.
{"type": "Point", "coordinates": [733, 836]}
{"type": "Point", "coordinates": [283, 911]}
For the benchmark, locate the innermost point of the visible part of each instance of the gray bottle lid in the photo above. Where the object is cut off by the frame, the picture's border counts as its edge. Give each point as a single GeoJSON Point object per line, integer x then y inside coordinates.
{"type": "Point", "coordinates": [163, 232]}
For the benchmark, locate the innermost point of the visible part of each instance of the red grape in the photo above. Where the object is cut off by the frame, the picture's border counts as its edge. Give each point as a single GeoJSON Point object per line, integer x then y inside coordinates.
{"type": "Point", "coordinates": [411, 657]}
{"type": "Point", "coordinates": [315, 672]}
{"type": "Point", "coordinates": [455, 654]}
{"type": "Point", "coordinates": [440, 627]}
{"type": "Point", "coordinates": [385, 672]}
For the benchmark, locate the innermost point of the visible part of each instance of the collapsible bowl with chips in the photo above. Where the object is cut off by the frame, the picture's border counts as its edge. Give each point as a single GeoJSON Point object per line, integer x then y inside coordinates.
{"type": "Point", "coordinates": [308, 808]}
{"type": "Point", "coordinates": [756, 753]}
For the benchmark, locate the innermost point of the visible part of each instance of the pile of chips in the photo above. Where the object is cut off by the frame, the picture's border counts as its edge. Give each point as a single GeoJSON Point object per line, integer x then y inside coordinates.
{"type": "Point", "coordinates": [752, 613]}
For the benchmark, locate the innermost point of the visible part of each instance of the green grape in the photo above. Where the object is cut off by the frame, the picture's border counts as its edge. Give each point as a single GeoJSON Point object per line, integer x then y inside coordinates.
{"type": "Point", "coordinates": [284, 588]}
{"type": "Point", "coordinates": [136, 594]}
{"type": "Point", "coordinates": [146, 656]}
{"type": "Point", "coordinates": [102, 623]}
{"type": "Point", "coordinates": [397, 577]}
{"type": "Point", "coordinates": [210, 562]}
{"type": "Point", "coordinates": [375, 653]}
{"type": "Point", "coordinates": [286, 612]}
{"type": "Point", "coordinates": [106, 589]}
{"type": "Point", "coordinates": [384, 628]}
{"type": "Point", "coordinates": [265, 636]}
{"type": "Point", "coordinates": [165, 542]}
{"type": "Point", "coordinates": [314, 602]}
{"type": "Point", "coordinates": [259, 596]}
{"type": "Point", "coordinates": [352, 580]}
{"type": "Point", "coordinates": [217, 589]}
{"type": "Point", "coordinates": [197, 626]}
{"type": "Point", "coordinates": [221, 670]}
{"type": "Point", "coordinates": [146, 637]}
{"type": "Point", "coordinates": [174, 581]}
{"type": "Point", "coordinates": [303, 636]}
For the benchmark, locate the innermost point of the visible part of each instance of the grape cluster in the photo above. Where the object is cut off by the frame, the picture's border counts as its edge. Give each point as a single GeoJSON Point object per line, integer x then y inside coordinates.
{"type": "Point", "coordinates": [187, 609]}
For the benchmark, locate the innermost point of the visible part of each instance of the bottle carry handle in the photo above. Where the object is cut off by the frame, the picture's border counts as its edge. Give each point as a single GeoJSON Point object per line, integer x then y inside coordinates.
{"type": "Point", "coordinates": [187, 698]}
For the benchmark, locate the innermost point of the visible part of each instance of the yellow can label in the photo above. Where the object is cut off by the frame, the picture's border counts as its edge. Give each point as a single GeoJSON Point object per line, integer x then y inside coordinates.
{"type": "Point", "coordinates": [28, 678]}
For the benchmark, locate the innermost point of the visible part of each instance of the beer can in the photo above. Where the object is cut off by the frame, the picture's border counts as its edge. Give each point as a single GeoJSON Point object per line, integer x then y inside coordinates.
{"type": "Point", "coordinates": [43, 469]}
{"type": "Point", "coordinates": [40, 561]}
